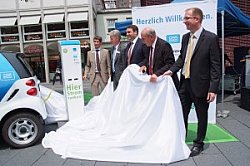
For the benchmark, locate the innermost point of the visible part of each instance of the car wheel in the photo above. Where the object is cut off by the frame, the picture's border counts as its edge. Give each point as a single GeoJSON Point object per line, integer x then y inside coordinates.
{"type": "Point", "coordinates": [22, 130]}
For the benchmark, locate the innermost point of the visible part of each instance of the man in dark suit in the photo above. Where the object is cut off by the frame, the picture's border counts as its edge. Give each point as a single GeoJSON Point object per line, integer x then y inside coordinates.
{"type": "Point", "coordinates": [159, 57]}
{"type": "Point", "coordinates": [136, 49]}
{"type": "Point", "coordinates": [117, 57]}
{"type": "Point", "coordinates": [200, 65]}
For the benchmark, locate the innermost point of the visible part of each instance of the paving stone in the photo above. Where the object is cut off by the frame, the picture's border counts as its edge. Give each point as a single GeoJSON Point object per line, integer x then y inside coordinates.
{"type": "Point", "coordinates": [104, 163]}
{"type": "Point", "coordinates": [78, 162]}
{"type": "Point", "coordinates": [188, 162]}
{"type": "Point", "coordinates": [237, 129]}
{"type": "Point", "coordinates": [73, 162]}
{"type": "Point", "coordinates": [27, 156]}
{"type": "Point", "coordinates": [241, 115]}
{"type": "Point", "coordinates": [88, 163]}
{"type": "Point", "coordinates": [49, 158]}
{"type": "Point", "coordinates": [143, 164]}
{"type": "Point", "coordinates": [235, 152]}
{"type": "Point", "coordinates": [7, 154]}
{"type": "Point", "coordinates": [211, 160]}
{"type": "Point", "coordinates": [247, 143]}
{"type": "Point", "coordinates": [210, 149]}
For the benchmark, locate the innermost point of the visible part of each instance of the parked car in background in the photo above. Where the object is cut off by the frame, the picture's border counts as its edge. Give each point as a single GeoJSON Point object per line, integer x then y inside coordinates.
{"type": "Point", "coordinates": [22, 110]}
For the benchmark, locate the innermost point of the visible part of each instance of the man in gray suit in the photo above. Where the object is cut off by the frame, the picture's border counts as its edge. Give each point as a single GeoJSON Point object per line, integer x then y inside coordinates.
{"type": "Point", "coordinates": [200, 64]}
{"type": "Point", "coordinates": [98, 67]}
{"type": "Point", "coordinates": [118, 63]}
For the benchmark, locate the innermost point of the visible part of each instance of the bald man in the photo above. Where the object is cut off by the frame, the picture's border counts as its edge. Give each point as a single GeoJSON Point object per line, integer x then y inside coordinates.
{"type": "Point", "coordinates": [159, 57]}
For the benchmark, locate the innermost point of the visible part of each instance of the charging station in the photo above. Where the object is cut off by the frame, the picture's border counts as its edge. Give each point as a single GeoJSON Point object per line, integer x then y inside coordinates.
{"type": "Point", "coordinates": [72, 77]}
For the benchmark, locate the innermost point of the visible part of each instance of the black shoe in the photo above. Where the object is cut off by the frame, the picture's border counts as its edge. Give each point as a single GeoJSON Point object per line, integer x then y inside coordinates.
{"type": "Point", "coordinates": [196, 150]}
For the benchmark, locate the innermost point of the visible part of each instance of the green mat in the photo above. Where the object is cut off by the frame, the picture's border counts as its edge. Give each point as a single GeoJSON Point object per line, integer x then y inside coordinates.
{"type": "Point", "coordinates": [215, 134]}
{"type": "Point", "coordinates": [87, 97]}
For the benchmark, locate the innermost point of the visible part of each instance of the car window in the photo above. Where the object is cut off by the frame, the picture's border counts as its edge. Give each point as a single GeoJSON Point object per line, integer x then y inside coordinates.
{"type": "Point", "coordinates": [8, 76]}
{"type": "Point", "coordinates": [25, 64]}
{"type": "Point", "coordinates": [19, 64]}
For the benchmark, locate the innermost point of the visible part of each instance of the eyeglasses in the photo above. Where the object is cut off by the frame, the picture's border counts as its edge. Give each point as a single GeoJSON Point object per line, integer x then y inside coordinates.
{"type": "Point", "coordinates": [188, 18]}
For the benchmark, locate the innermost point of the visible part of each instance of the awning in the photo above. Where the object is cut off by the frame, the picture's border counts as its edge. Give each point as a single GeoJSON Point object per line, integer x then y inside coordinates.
{"type": "Point", "coordinates": [29, 20]}
{"type": "Point", "coordinates": [53, 18]}
{"type": "Point", "coordinates": [7, 21]}
{"type": "Point", "coordinates": [122, 26]}
{"type": "Point", "coordinates": [81, 16]}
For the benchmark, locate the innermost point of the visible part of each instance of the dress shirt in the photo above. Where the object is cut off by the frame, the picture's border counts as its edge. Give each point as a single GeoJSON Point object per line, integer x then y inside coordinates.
{"type": "Point", "coordinates": [98, 52]}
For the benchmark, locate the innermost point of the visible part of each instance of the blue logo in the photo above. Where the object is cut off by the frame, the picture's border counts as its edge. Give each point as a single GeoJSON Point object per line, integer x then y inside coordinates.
{"type": "Point", "coordinates": [172, 39]}
{"type": "Point", "coordinates": [74, 49]}
{"type": "Point", "coordinates": [6, 76]}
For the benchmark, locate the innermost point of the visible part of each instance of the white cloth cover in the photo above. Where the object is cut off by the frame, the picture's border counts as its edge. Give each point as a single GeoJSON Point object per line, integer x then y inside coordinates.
{"type": "Point", "coordinates": [55, 105]}
{"type": "Point", "coordinates": [139, 122]}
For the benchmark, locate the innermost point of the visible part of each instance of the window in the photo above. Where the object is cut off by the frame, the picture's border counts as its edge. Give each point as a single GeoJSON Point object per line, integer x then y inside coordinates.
{"type": "Point", "coordinates": [9, 34]}
{"type": "Point", "coordinates": [79, 29]}
{"type": "Point", "coordinates": [110, 4]}
{"type": "Point", "coordinates": [32, 28]}
{"type": "Point", "coordinates": [54, 35]}
{"type": "Point", "coordinates": [79, 25]}
{"type": "Point", "coordinates": [56, 27]}
{"type": "Point", "coordinates": [111, 24]}
{"type": "Point", "coordinates": [10, 38]}
{"type": "Point", "coordinates": [9, 30]}
{"type": "Point", "coordinates": [32, 32]}
{"type": "Point", "coordinates": [56, 31]}
{"type": "Point", "coordinates": [79, 33]}
{"type": "Point", "coordinates": [33, 37]}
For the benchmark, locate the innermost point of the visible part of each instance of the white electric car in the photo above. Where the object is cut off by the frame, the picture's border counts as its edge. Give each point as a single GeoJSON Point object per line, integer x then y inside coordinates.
{"type": "Point", "coordinates": [22, 110]}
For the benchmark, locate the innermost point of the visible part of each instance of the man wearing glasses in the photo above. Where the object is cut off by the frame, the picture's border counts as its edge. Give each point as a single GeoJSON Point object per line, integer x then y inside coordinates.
{"type": "Point", "coordinates": [200, 65]}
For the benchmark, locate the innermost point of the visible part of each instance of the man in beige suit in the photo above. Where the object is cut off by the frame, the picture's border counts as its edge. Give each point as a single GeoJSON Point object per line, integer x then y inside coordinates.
{"type": "Point", "coordinates": [98, 66]}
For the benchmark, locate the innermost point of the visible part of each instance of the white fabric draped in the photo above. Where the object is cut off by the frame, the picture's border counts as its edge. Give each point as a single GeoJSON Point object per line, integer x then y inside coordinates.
{"type": "Point", "coordinates": [55, 105]}
{"type": "Point", "coordinates": [139, 122]}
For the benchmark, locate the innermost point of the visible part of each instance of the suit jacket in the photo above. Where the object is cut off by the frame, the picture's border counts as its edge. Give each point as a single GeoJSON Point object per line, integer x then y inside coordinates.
{"type": "Point", "coordinates": [138, 53]}
{"type": "Point", "coordinates": [120, 63]}
{"type": "Point", "coordinates": [163, 59]}
{"type": "Point", "coordinates": [104, 64]}
{"type": "Point", "coordinates": [205, 64]}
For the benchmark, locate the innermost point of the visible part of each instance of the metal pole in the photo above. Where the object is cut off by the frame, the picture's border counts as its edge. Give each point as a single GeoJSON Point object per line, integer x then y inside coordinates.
{"type": "Point", "coordinates": [223, 65]}
{"type": "Point", "coordinates": [19, 28]}
{"type": "Point", "coordinates": [45, 52]}
{"type": "Point", "coordinates": [223, 113]}
{"type": "Point", "coordinates": [66, 19]}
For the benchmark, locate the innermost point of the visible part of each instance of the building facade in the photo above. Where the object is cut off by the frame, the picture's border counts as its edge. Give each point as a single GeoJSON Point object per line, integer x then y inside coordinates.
{"type": "Point", "coordinates": [35, 27]}
{"type": "Point", "coordinates": [111, 11]}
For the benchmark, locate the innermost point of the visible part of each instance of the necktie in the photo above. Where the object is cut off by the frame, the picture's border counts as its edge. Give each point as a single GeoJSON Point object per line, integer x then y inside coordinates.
{"type": "Point", "coordinates": [130, 52]}
{"type": "Point", "coordinates": [151, 61]}
{"type": "Point", "coordinates": [97, 61]}
{"type": "Point", "coordinates": [113, 59]}
{"type": "Point", "coordinates": [188, 58]}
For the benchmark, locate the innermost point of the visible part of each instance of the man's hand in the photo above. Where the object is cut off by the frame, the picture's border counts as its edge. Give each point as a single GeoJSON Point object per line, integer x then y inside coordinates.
{"type": "Point", "coordinates": [210, 97]}
{"type": "Point", "coordinates": [168, 73]}
{"type": "Point", "coordinates": [153, 78]}
{"type": "Point", "coordinates": [143, 69]}
{"type": "Point", "coordinates": [84, 77]}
